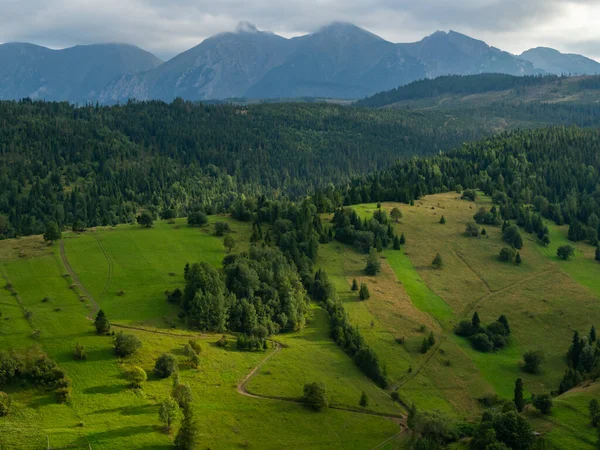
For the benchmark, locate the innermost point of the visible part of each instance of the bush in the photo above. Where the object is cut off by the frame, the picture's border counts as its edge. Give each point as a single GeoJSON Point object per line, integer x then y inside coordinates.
{"type": "Point", "coordinates": [145, 219]}
{"type": "Point", "coordinates": [136, 377]}
{"type": "Point", "coordinates": [533, 360]}
{"type": "Point", "coordinates": [437, 262]}
{"type": "Point", "coordinates": [543, 403]}
{"type": "Point", "coordinates": [507, 254]}
{"type": "Point", "coordinates": [5, 404]}
{"type": "Point", "coordinates": [63, 394]}
{"type": "Point", "coordinates": [222, 228]}
{"type": "Point", "coordinates": [79, 353]}
{"type": "Point", "coordinates": [195, 346]}
{"type": "Point", "coordinates": [165, 365]}
{"type": "Point", "coordinates": [315, 396]}
{"type": "Point", "coordinates": [395, 396]}
{"type": "Point", "coordinates": [182, 395]}
{"type": "Point", "coordinates": [565, 252]}
{"type": "Point", "coordinates": [472, 229]}
{"type": "Point", "coordinates": [482, 342]}
{"type": "Point", "coordinates": [126, 344]}
{"type": "Point", "coordinates": [197, 219]}
{"type": "Point", "coordinates": [469, 194]}
{"type": "Point", "coordinates": [223, 342]}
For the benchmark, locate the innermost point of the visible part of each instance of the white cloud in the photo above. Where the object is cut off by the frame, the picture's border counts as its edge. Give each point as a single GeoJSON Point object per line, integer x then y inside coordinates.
{"type": "Point", "coordinates": [167, 27]}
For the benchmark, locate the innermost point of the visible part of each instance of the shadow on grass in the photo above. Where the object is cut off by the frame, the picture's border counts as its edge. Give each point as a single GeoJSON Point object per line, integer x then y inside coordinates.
{"type": "Point", "coordinates": [43, 400]}
{"type": "Point", "coordinates": [129, 410]}
{"type": "Point", "coordinates": [112, 389]}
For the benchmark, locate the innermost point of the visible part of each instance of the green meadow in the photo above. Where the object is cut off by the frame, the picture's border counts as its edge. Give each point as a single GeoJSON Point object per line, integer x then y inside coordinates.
{"type": "Point", "coordinates": [127, 270]}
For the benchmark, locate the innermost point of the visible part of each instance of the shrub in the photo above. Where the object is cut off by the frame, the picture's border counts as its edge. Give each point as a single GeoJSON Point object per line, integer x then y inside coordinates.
{"type": "Point", "coordinates": [5, 404]}
{"type": "Point", "coordinates": [195, 346]}
{"type": "Point", "coordinates": [136, 377]}
{"type": "Point", "coordinates": [533, 360]}
{"type": "Point", "coordinates": [168, 412]}
{"type": "Point", "coordinates": [472, 229]}
{"type": "Point", "coordinates": [194, 360]}
{"type": "Point", "coordinates": [79, 353]}
{"type": "Point", "coordinates": [482, 342]}
{"type": "Point", "coordinates": [182, 395]}
{"type": "Point", "coordinates": [126, 344]}
{"type": "Point", "coordinates": [63, 394]}
{"type": "Point", "coordinates": [223, 342]}
{"type": "Point", "coordinates": [465, 328]}
{"type": "Point", "coordinates": [165, 365]}
{"type": "Point", "coordinates": [507, 254]}
{"type": "Point", "coordinates": [197, 219]}
{"type": "Point", "coordinates": [364, 400]}
{"type": "Point", "coordinates": [145, 219]}
{"type": "Point", "coordinates": [395, 396]}
{"type": "Point", "coordinates": [222, 228]}
{"type": "Point", "coordinates": [469, 194]}
{"type": "Point", "coordinates": [437, 262]}
{"type": "Point", "coordinates": [543, 403]}
{"type": "Point", "coordinates": [565, 252]}
{"type": "Point", "coordinates": [315, 396]}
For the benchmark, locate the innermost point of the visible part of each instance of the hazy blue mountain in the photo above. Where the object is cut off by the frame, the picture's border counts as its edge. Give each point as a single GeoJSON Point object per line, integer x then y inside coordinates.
{"type": "Point", "coordinates": [340, 61]}
{"type": "Point", "coordinates": [76, 74]}
{"type": "Point", "coordinates": [453, 53]}
{"type": "Point", "coordinates": [553, 61]}
{"type": "Point", "coordinates": [222, 66]}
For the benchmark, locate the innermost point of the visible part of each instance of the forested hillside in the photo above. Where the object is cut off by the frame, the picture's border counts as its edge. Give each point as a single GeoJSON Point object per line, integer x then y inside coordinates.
{"type": "Point", "coordinates": [552, 172]}
{"type": "Point", "coordinates": [100, 165]}
{"type": "Point", "coordinates": [490, 89]}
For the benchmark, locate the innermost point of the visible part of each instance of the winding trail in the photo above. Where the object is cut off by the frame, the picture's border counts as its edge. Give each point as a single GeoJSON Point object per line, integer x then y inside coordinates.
{"type": "Point", "coordinates": [241, 387]}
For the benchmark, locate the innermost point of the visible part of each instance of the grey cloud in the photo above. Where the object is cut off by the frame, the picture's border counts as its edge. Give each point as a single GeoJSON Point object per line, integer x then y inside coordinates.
{"type": "Point", "coordinates": [167, 27]}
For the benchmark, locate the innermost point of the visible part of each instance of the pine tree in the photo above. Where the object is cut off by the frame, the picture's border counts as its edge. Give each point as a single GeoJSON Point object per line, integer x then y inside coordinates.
{"type": "Point", "coordinates": [354, 285]}
{"type": "Point", "coordinates": [518, 398]}
{"type": "Point", "coordinates": [364, 400]}
{"type": "Point", "coordinates": [518, 259]}
{"type": "Point", "coordinates": [101, 323]}
{"type": "Point", "coordinates": [402, 239]}
{"type": "Point", "coordinates": [575, 350]}
{"type": "Point", "coordinates": [364, 293]}
{"type": "Point", "coordinates": [424, 346]}
{"type": "Point", "coordinates": [476, 321]}
{"type": "Point", "coordinates": [592, 334]}
{"type": "Point", "coordinates": [443, 220]}
{"type": "Point", "coordinates": [396, 243]}
{"type": "Point", "coordinates": [504, 321]}
{"type": "Point", "coordinates": [437, 261]}
{"type": "Point", "coordinates": [431, 339]}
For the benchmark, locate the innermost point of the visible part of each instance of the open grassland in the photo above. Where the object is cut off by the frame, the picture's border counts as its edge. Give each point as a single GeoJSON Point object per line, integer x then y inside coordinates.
{"type": "Point", "coordinates": [104, 412]}
{"type": "Point", "coordinates": [544, 299]}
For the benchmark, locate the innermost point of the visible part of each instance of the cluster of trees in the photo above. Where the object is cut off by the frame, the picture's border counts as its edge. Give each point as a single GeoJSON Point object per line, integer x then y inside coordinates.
{"type": "Point", "coordinates": [96, 165]}
{"type": "Point", "coordinates": [485, 338]}
{"type": "Point", "coordinates": [34, 366]}
{"type": "Point", "coordinates": [376, 233]}
{"type": "Point", "coordinates": [531, 175]}
{"type": "Point", "coordinates": [583, 360]}
{"type": "Point", "coordinates": [170, 409]}
{"type": "Point", "coordinates": [346, 336]}
{"type": "Point", "coordinates": [258, 293]}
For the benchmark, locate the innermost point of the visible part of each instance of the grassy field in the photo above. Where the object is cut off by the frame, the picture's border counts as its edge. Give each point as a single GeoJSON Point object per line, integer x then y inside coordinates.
{"type": "Point", "coordinates": [104, 412]}
{"type": "Point", "coordinates": [544, 299]}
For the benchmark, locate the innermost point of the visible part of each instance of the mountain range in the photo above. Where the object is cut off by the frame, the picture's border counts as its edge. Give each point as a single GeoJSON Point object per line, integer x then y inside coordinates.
{"type": "Point", "coordinates": [339, 61]}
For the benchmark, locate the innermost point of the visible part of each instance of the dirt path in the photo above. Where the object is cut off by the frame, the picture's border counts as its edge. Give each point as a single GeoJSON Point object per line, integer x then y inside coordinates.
{"type": "Point", "coordinates": [95, 307]}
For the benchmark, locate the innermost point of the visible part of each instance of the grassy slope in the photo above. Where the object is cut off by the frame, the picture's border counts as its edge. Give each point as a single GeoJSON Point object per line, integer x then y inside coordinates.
{"type": "Point", "coordinates": [104, 411]}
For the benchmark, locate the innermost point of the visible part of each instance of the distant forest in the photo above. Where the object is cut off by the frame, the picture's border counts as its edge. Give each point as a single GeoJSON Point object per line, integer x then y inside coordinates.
{"type": "Point", "coordinates": [101, 165]}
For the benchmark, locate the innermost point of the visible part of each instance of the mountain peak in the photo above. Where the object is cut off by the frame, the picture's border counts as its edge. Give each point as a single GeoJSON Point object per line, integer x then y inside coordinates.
{"type": "Point", "coordinates": [246, 27]}
{"type": "Point", "coordinates": [344, 29]}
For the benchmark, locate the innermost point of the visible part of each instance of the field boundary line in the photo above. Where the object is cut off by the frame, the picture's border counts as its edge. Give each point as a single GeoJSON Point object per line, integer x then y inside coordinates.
{"type": "Point", "coordinates": [110, 266]}
{"type": "Point", "coordinates": [77, 282]}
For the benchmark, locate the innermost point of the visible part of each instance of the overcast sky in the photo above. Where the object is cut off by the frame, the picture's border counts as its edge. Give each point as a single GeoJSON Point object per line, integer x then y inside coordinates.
{"type": "Point", "coordinates": [167, 27]}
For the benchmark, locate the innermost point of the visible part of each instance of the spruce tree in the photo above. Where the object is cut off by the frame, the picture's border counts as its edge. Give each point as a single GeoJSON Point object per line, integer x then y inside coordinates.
{"type": "Point", "coordinates": [396, 243]}
{"type": "Point", "coordinates": [592, 334]}
{"type": "Point", "coordinates": [437, 261]}
{"type": "Point", "coordinates": [431, 339]}
{"type": "Point", "coordinates": [424, 346]}
{"type": "Point", "coordinates": [364, 400]}
{"type": "Point", "coordinates": [476, 321]}
{"type": "Point", "coordinates": [101, 323]}
{"type": "Point", "coordinates": [518, 398]}
{"type": "Point", "coordinates": [518, 259]}
{"type": "Point", "coordinates": [402, 239]}
{"type": "Point", "coordinates": [354, 285]}
{"type": "Point", "coordinates": [364, 293]}
{"type": "Point", "coordinates": [443, 220]}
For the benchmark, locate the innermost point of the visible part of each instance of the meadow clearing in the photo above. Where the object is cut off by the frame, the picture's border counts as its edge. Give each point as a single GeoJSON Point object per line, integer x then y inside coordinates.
{"type": "Point", "coordinates": [126, 270]}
